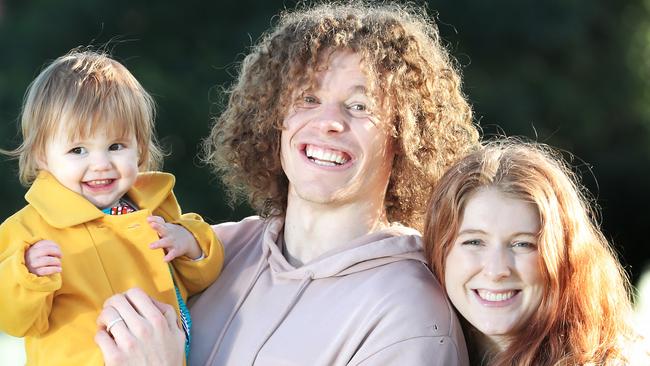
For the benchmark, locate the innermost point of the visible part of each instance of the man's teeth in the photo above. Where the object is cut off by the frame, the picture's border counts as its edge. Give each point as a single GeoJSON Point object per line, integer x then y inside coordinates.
{"type": "Point", "coordinates": [495, 296]}
{"type": "Point", "coordinates": [326, 157]}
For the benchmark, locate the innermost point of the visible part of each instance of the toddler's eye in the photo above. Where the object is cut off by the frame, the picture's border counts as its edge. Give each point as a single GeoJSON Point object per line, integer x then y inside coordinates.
{"type": "Point", "coordinates": [115, 147]}
{"type": "Point", "coordinates": [78, 150]}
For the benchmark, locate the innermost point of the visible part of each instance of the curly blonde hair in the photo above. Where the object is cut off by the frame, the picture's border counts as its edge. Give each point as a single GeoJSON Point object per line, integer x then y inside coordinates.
{"type": "Point", "coordinates": [80, 93]}
{"type": "Point", "coordinates": [402, 54]}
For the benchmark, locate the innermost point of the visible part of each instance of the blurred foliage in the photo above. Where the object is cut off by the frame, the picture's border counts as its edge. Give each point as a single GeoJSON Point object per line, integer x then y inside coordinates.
{"type": "Point", "coordinates": [571, 73]}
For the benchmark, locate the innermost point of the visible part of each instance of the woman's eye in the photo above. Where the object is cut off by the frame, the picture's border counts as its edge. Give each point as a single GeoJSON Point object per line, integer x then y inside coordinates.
{"type": "Point", "coordinates": [77, 150]}
{"type": "Point", "coordinates": [115, 147]}
{"type": "Point", "coordinates": [472, 242]}
{"type": "Point", "coordinates": [524, 246]}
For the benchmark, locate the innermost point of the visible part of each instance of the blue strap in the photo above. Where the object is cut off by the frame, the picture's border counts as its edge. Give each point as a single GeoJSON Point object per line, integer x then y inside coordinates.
{"type": "Point", "coordinates": [186, 319]}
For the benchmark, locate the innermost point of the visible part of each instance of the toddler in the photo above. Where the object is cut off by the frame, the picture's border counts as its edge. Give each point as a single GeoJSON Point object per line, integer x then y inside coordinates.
{"type": "Point", "coordinates": [98, 220]}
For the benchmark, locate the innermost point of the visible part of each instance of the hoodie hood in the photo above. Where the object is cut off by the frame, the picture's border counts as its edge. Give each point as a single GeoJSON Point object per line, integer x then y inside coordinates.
{"type": "Point", "coordinates": [389, 245]}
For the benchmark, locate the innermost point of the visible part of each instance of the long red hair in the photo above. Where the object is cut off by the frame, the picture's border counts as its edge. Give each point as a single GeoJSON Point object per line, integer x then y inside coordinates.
{"type": "Point", "coordinates": [584, 314]}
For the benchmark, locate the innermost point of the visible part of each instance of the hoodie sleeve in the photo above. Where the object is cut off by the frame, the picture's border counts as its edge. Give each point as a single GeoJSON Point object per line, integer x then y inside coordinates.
{"type": "Point", "coordinates": [194, 275]}
{"type": "Point", "coordinates": [430, 351]}
{"type": "Point", "coordinates": [25, 298]}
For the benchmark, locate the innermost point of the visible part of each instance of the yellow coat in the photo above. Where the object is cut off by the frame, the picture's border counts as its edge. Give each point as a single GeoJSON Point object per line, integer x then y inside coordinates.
{"type": "Point", "coordinates": [102, 255]}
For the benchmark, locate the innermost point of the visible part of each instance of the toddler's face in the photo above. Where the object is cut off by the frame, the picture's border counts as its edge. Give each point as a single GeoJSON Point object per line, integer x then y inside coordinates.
{"type": "Point", "coordinates": [98, 167]}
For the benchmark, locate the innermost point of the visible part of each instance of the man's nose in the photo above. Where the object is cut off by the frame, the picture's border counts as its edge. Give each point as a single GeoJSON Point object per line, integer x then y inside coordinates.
{"type": "Point", "coordinates": [331, 119]}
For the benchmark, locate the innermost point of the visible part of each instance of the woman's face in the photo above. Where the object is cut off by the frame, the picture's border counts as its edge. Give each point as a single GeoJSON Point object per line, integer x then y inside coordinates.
{"type": "Point", "coordinates": [492, 271]}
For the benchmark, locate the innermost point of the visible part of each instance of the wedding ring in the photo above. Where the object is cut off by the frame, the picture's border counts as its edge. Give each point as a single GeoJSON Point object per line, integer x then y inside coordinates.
{"type": "Point", "coordinates": [112, 323]}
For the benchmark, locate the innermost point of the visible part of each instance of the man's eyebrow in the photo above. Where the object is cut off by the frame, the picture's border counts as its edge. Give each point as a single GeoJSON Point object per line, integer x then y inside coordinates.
{"type": "Point", "coordinates": [358, 89]}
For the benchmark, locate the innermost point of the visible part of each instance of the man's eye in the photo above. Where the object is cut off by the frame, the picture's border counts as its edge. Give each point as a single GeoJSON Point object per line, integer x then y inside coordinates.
{"type": "Point", "coordinates": [358, 107]}
{"type": "Point", "coordinates": [77, 150]}
{"type": "Point", "coordinates": [309, 99]}
{"type": "Point", "coordinates": [115, 147]}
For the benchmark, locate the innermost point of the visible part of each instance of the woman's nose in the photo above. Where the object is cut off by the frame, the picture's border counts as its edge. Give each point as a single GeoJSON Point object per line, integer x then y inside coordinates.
{"type": "Point", "coordinates": [497, 264]}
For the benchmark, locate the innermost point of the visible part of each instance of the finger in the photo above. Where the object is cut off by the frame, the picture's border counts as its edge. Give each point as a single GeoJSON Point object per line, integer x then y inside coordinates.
{"type": "Point", "coordinates": [47, 271]}
{"type": "Point", "coordinates": [45, 261]}
{"type": "Point", "coordinates": [109, 348]}
{"type": "Point", "coordinates": [156, 219]}
{"type": "Point", "coordinates": [124, 309]}
{"type": "Point", "coordinates": [171, 255]}
{"type": "Point", "coordinates": [45, 247]}
{"type": "Point", "coordinates": [161, 229]}
{"type": "Point", "coordinates": [143, 303]}
{"type": "Point", "coordinates": [169, 313]}
{"type": "Point", "coordinates": [109, 318]}
{"type": "Point", "coordinates": [110, 321]}
{"type": "Point", "coordinates": [162, 243]}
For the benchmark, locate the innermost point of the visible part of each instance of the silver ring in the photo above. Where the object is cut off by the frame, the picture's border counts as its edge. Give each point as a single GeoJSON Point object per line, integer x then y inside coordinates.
{"type": "Point", "coordinates": [112, 323]}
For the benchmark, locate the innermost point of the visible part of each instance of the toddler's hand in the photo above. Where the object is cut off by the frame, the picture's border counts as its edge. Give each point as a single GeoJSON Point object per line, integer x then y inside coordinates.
{"type": "Point", "coordinates": [43, 258]}
{"type": "Point", "coordinates": [174, 239]}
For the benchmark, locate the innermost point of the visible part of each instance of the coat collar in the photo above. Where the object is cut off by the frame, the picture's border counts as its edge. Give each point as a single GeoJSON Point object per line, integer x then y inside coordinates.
{"type": "Point", "coordinates": [61, 207]}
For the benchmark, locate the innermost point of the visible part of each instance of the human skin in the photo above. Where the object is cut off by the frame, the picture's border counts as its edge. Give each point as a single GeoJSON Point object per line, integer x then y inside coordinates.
{"type": "Point", "coordinates": [334, 121]}
{"type": "Point", "coordinates": [348, 197]}
{"type": "Point", "coordinates": [100, 167]}
{"type": "Point", "coordinates": [492, 272]}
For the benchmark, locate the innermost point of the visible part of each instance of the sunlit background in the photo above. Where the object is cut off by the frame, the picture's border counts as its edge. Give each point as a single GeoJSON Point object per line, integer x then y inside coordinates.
{"type": "Point", "coordinates": [574, 74]}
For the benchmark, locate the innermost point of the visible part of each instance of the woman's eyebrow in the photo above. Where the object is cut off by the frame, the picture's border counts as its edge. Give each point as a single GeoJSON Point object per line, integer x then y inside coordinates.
{"type": "Point", "coordinates": [471, 231]}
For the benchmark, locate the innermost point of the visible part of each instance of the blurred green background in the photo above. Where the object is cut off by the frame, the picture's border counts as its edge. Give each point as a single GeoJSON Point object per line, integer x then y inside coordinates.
{"type": "Point", "coordinates": [571, 73]}
{"type": "Point", "coordinates": [574, 74]}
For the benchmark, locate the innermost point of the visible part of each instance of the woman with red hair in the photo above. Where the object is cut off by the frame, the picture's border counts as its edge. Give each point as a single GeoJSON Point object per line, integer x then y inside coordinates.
{"type": "Point", "coordinates": [514, 241]}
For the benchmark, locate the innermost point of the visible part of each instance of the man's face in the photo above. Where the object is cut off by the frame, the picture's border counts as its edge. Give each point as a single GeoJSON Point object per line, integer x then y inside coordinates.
{"type": "Point", "coordinates": [335, 150]}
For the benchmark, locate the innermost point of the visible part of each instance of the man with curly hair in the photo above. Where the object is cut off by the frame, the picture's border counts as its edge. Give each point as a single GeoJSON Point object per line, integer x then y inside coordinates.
{"type": "Point", "coordinates": [342, 119]}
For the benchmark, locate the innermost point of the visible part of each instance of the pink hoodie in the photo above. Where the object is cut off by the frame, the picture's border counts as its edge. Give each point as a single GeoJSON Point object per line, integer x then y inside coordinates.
{"type": "Point", "coordinates": [371, 301]}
